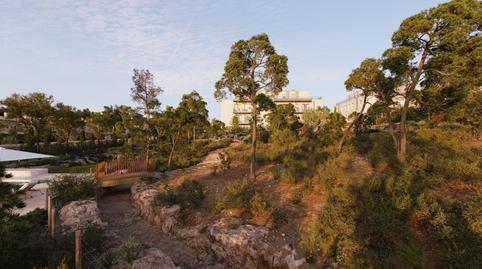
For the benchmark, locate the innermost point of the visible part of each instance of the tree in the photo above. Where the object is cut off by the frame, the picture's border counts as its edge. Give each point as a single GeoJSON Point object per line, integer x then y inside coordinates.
{"type": "Point", "coordinates": [33, 111]}
{"type": "Point", "coordinates": [313, 119]}
{"type": "Point", "coordinates": [145, 93]}
{"type": "Point", "coordinates": [169, 126]}
{"type": "Point", "coordinates": [363, 79]}
{"type": "Point", "coordinates": [283, 117]}
{"type": "Point", "coordinates": [429, 37]}
{"type": "Point", "coordinates": [196, 113]}
{"type": "Point", "coordinates": [253, 66]}
{"type": "Point", "coordinates": [66, 120]}
{"type": "Point", "coordinates": [217, 128]}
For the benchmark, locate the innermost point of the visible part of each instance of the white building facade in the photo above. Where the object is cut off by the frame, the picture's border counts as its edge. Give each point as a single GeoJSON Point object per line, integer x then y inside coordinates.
{"type": "Point", "coordinates": [301, 101]}
{"type": "Point", "coordinates": [354, 102]}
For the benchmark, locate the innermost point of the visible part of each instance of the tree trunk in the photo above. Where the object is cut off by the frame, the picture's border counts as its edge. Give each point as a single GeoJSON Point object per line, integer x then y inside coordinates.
{"type": "Point", "coordinates": [347, 131]}
{"type": "Point", "coordinates": [392, 134]}
{"type": "Point", "coordinates": [173, 145]}
{"type": "Point", "coordinates": [254, 120]}
{"type": "Point", "coordinates": [402, 141]}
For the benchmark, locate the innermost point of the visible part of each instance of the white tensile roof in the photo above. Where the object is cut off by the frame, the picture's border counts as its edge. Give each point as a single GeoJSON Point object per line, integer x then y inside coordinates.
{"type": "Point", "coordinates": [7, 155]}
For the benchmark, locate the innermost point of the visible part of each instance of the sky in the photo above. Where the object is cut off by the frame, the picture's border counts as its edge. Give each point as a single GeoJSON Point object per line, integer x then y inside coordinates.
{"type": "Point", "coordinates": [83, 52]}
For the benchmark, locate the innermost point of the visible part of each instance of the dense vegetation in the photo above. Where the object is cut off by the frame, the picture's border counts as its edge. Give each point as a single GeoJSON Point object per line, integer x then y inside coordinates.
{"type": "Point", "coordinates": [401, 181]}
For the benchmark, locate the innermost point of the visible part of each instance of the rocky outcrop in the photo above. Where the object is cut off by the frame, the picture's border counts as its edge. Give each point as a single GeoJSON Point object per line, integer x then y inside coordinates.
{"type": "Point", "coordinates": [79, 214]}
{"type": "Point", "coordinates": [154, 259]}
{"type": "Point", "coordinates": [229, 241]}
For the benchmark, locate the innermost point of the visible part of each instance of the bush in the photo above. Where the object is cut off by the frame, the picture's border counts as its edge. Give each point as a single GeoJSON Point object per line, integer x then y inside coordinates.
{"type": "Point", "coordinates": [25, 243]}
{"type": "Point", "coordinates": [189, 195]}
{"type": "Point", "coordinates": [240, 192]}
{"type": "Point", "coordinates": [130, 250]}
{"type": "Point", "coordinates": [278, 216]}
{"type": "Point", "coordinates": [67, 188]}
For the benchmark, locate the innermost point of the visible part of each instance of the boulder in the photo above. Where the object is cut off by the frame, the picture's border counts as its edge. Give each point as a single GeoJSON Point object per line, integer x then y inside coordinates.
{"type": "Point", "coordinates": [154, 258]}
{"type": "Point", "coordinates": [80, 214]}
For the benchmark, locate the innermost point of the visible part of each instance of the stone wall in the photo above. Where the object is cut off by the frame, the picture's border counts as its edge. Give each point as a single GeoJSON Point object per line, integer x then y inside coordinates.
{"type": "Point", "coordinates": [242, 246]}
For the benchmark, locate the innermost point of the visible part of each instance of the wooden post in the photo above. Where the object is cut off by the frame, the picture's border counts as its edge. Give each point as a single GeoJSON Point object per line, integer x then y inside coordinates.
{"type": "Point", "coordinates": [78, 249]}
{"type": "Point", "coordinates": [52, 219]}
{"type": "Point", "coordinates": [49, 212]}
{"type": "Point", "coordinates": [47, 198]}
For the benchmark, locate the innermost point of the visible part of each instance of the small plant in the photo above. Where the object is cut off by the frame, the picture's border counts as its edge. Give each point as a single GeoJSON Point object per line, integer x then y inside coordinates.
{"type": "Point", "coordinates": [189, 195]}
{"type": "Point", "coordinates": [257, 204]}
{"type": "Point", "coordinates": [220, 203]}
{"type": "Point", "coordinates": [278, 216]}
{"type": "Point", "coordinates": [214, 170]}
{"type": "Point", "coordinates": [130, 250]}
{"type": "Point", "coordinates": [225, 160]}
{"type": "Point", "coordinates": [94, 236]}
{"type": "Point", "coordinates": [297, 196]}
{"type": "Point", "coordinates": [232, 224]}
{"type": "Point", "coordinates": [149, 179]}
{"type": "Point", "coordinates": [240, 192]}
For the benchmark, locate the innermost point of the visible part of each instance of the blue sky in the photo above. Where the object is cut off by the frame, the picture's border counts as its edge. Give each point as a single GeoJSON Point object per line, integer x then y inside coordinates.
{"type": "Point", "coordinates": [83, 52]}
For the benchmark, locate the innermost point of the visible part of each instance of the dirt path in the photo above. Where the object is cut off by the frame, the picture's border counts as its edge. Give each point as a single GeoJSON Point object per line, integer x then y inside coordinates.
{"type": "Point", "coordinates": [124, 222]}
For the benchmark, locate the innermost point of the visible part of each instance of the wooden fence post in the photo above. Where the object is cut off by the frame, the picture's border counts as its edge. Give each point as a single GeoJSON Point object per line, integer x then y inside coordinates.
{"type": "Point", "coordinates": [78, 249]}
{"type": "Point", "coordinates": [49, 212]}
{"type": "Point", "coordinates": [52, 230]}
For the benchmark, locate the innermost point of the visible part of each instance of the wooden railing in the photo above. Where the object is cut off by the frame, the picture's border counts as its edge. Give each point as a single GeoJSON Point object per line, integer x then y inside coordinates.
{"type": "Point", "coordinates": [122, 166]}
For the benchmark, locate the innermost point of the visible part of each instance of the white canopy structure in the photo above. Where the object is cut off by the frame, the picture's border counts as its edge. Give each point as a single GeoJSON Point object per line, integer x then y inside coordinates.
{"type": "Point", "coordinates": [8, 155]}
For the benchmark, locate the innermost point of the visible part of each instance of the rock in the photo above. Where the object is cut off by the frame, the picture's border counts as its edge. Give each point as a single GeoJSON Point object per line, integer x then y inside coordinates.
{"type": "Point", "coordinates": [80, 214]}
{"type": "Point", "coordinates": [154, 259]}
{"type": "Point", "coordinates": [228, 240]}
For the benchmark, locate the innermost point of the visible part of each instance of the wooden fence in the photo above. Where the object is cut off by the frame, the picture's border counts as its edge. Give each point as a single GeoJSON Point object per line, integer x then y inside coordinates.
{"type": "Point", "coordinates": [123, 165]}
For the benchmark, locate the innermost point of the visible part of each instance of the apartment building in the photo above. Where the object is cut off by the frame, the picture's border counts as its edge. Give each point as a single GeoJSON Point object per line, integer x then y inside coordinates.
{"type": "Point", "coordinates": [301, 100]}
{"type": "Point", "coordinates": [354, 102]}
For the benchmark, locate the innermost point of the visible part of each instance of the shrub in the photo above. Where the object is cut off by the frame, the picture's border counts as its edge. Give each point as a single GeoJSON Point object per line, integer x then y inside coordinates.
{"type": "Point", "coordinates": [220, 203]}
{"type": "Point", "coordinates": [25, 243]}
{"type": "Point", "coordinates": [189, 195]}
{"type": "Point", "coordinates": [297, 197]}
{"type": "Point", "coordinates": [278, 216]}
{"type": "Point", "coordinates": [240, 192]}
{"type": "Point", "coordinates": [130, 250]}
{"type": "Point", "coordinates": [257, 204]}
{"type": "Point", "coordinates": [225, 160]}
{"type": "Point", "coordinates": [67, 188]}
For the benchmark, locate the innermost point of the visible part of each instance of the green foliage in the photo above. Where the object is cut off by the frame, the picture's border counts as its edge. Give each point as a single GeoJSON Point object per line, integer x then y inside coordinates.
{"type": "Point", "coordinates": [189, 195]}
{"type": "Point", "coordinates": [26, 243]}
{"type": "Point", "coordinates": [9, 199]}
{"type": "Point", "coordinates": [240, 192]}
{"type": "Point", "coordinates": [67, 188]}
{"type": "Point", "coordinates": [94, 236]}
{"type": "Point", "coordinates": [278, 215]}
{"type": "Point", "coordinates": [130, 250]}
{"type": "Point", "coordinates": [225, 160]}
{"type": "Point", "coordinates": [253, 69]}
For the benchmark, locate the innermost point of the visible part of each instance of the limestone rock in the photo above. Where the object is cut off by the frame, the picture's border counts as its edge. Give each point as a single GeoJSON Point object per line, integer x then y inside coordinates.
{"type": "Point", "coordinates": [80, 214]}
{"type": "Point", "coordinates": [154, 259]}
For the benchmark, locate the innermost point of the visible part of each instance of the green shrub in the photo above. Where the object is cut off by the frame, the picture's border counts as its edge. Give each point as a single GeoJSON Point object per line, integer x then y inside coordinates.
{"type": "Point", "coordinates": [189, 195]}
{"type": "Point", "coordinates": [240, 192]}
{"type": "Point", "coordinates": [94, 237]}
{"type": "Point", "coordinates": [25, 243]}
{"type": "Point", "coordinates": [297, 197]}
{"type": "Point", "coordinates": [278, 216]}
{"type": "Point", "coordinates": [220, 203]}
{"type": "Point", "coordinates": [130, 250]}
{"type": "Point", "coordinates": [257, 204]}
{"type": "Point", "coordinates": [225, 160]}
{"type": "Point", "coordinates": [67, 188]}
